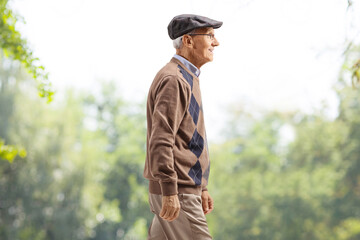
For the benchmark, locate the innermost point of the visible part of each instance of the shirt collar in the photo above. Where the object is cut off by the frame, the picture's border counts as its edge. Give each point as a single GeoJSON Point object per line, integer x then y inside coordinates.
{"type": "Point", "coordinates": [188, 65]}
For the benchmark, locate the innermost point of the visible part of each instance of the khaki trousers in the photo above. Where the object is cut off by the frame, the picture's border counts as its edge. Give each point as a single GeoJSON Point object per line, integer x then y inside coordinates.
{"type": "Point", "coordinates": [190, 225]}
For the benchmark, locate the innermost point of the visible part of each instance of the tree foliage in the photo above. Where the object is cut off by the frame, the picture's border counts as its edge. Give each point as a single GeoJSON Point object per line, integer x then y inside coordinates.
{"type": "Point", "coordinates": [82, 176]}
{"type": "Point", "coordinates": [305, 189]}
{"type": "Point", "coordinates": [277, 176]}
{"type": "Point", "coordinates": [15, 47]}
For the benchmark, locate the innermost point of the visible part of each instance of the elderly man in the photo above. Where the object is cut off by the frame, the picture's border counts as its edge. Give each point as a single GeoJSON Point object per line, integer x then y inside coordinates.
{"type": "Point", "coordinates": [177, 160]}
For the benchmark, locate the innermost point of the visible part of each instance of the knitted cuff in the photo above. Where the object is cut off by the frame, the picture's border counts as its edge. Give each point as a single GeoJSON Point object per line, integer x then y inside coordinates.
{"type": "Point", "coordinates": [169, 188]}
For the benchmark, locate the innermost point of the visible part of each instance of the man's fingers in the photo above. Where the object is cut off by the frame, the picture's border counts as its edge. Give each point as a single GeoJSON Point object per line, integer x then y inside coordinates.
{"type": "Point", "coordinates": [175, 212]}
{"type": "Point", "coordinates": [205, 205]}
{"type": "Point", "coordinates": [169, 214]}
{"type": "Point", "coordinates": [163, 212]}
{"type": "Point", "coordinates": [171, 208]}
{"type": "Point", "coordinates": [211, 203]}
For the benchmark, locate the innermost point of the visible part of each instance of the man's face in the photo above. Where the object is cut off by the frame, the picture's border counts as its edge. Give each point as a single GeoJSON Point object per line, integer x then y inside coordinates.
{"type": "Point", "coordinates": [204, 45]}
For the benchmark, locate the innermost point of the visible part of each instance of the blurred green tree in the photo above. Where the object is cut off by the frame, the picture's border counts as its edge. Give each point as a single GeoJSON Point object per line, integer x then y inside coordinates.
{"type": "Point", "coordinates": [305, 188]}
{"type": "Point", "coordinates": [124, 127]}
{"type": "Point", "coordinates": [345, 204]}
{"type": "Point", "coordinates": [15, 47]}
{"type": "Point", "coordinates": [41, 196]}
{"type": "Point", "coordinates": [267, 188]}
{"type": "Point", "coordinates": [82, 176]}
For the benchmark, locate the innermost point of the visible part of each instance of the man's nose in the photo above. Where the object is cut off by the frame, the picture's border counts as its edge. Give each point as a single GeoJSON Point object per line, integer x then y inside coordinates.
{"type": "Point", "coordinates": [215, 42]}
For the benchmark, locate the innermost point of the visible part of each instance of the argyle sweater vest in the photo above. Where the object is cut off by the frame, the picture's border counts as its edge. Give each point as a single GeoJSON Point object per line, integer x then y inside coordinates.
{"type": "Point", "coordinates": [177, 159]}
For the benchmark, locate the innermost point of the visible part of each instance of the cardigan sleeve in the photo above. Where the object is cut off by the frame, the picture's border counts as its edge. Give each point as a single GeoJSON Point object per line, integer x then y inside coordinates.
{"type": "Point", "coordinates": [171, 100]}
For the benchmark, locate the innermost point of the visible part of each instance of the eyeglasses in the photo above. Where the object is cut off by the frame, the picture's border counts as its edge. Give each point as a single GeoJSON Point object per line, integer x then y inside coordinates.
{"type": "Point", "coordinates": [211, 35]}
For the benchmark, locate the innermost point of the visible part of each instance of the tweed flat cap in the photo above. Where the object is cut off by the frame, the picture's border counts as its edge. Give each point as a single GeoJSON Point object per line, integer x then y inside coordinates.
{"type": "Point", "coordinates": [185, 23]}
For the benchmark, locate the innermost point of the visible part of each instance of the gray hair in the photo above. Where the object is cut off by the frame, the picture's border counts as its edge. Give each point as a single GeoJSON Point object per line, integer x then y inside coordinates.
{"type": "Point", "coordinates": [177, 42]}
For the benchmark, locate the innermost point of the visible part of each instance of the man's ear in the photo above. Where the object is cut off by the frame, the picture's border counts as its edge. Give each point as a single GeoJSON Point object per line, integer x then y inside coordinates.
{"type": "Point", "coordinates": [187, 41]}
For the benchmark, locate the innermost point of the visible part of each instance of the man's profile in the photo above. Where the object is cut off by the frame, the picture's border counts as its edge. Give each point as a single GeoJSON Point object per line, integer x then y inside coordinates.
{"type": "Point", "coordinates": [177, 160]}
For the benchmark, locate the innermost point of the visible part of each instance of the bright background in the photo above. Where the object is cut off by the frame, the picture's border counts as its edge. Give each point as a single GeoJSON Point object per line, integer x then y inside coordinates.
{"type": "Point", "coordinates": [73, 168]}
{"type": "Point", "coordinates": [281, 54]}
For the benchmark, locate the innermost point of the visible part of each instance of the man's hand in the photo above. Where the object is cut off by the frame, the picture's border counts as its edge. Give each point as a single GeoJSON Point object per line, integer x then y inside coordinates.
{"type": "Point", "coordinates": [170, 207]}
{"type": "Point", "coordinates": [207, 202]}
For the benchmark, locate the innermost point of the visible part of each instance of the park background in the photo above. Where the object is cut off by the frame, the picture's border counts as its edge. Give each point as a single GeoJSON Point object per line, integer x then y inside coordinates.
{"type": "Point", "coordinates": [281, 102]}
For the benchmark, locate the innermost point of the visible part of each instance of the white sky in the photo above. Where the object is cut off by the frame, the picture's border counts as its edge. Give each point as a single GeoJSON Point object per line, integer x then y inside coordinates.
{"type": "Point", "coordinates": [278, 54]}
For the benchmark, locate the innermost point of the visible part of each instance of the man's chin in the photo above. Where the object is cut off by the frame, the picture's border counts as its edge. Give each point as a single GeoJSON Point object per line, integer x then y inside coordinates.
{"type": "Point", "coordinates": [209, 60]}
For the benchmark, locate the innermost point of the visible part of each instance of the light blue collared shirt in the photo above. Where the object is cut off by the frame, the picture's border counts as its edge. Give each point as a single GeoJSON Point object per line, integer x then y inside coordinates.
{"type": "Point", "coordinates": [188, 65]}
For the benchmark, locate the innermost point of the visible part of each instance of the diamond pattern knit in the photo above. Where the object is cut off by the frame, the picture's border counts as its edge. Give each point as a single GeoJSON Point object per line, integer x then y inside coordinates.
{"type": "Point", "coordinates": [177, 159]}
{"type": "Point", "coordinates": [196, 144]}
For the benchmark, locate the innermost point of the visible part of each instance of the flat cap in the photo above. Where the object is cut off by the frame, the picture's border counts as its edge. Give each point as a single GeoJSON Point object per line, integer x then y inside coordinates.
{"type": "Point", "coordinates": [185, 23]}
